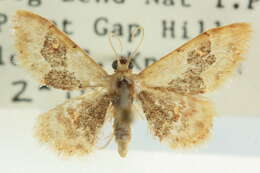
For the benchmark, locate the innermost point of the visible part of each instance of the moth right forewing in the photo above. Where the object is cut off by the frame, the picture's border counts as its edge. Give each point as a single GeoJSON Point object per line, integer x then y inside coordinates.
{"type": "Point", "coordinates": [202, 64]}
{"type": "Point", "coordinates": [179, 121]}
{"type": "Point", "coordinates": [73, 128]}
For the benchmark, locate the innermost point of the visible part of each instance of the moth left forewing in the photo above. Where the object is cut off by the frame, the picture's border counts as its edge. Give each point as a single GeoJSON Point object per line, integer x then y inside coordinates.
{"type": "Point", "coordinates": [73, 128]}
{"type": "Point", "coordinates": [52, 57]}
{"type": "Point", "coordinates": [179, 121]}
{"type": "Point", "coordinates": [202, 64]}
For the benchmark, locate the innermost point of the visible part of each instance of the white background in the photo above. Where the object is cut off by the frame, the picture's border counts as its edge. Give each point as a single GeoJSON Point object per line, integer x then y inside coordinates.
{"type": "Point", "coordinates": [234, 144]}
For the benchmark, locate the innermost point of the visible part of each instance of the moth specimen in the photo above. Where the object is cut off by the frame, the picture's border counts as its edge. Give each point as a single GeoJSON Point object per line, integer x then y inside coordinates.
{"type": "Point", "coordinates": [169, 91]}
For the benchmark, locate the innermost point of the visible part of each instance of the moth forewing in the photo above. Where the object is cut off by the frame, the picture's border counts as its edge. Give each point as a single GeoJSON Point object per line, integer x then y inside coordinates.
{"type": "Point", "coordinates": [51, 57]}
{"type": "Point", "coordinates": [202, 64]}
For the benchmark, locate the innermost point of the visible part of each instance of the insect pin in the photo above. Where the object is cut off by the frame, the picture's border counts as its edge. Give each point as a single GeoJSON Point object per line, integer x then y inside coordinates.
{"type": "Point", "coordinates": [170, 91]}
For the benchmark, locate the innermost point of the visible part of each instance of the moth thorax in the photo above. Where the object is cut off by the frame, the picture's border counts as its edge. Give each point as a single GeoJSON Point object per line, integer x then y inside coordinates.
{"type": "Point", "coordinates": [123, 95]}
{"type": "Point", "coordinates": [123, 83]}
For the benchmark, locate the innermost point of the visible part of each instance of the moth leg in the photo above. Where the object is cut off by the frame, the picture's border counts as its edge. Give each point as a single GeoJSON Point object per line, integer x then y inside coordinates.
{"type": "Point", "coordinates": [110, 138]}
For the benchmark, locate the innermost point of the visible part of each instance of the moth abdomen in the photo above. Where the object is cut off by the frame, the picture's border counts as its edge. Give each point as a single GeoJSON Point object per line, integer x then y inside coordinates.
{"type": "Point", "coordinates": [122, 132]}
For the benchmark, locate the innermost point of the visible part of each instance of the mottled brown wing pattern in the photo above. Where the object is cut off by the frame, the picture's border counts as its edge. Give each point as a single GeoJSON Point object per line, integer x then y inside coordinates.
{"type": "Point", "coordinates": [72, 128]}
{"type": "Point", "coordinates": [177, 120]}
{"type": "Point", "coordinates": [51, 57]}
{"type": "Point", "coordinates": [202, 64]}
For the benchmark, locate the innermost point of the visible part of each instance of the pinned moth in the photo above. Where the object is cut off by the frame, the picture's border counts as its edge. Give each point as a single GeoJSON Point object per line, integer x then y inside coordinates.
{"type": "Point", "coordinates": [169, 91]}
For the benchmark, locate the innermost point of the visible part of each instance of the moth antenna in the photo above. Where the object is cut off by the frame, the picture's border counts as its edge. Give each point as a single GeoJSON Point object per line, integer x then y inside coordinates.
{"type": "Point", "coordinates": [141, 29]}
{"type": "Point", "coordinates": [107, 143]}
{"type": "Point", "coordinates": [111, 35]}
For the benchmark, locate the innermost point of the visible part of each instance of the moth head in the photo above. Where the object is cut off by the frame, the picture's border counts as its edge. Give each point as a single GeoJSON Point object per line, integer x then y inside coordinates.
{"type": "Point", "coordinates": [122, 64]}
